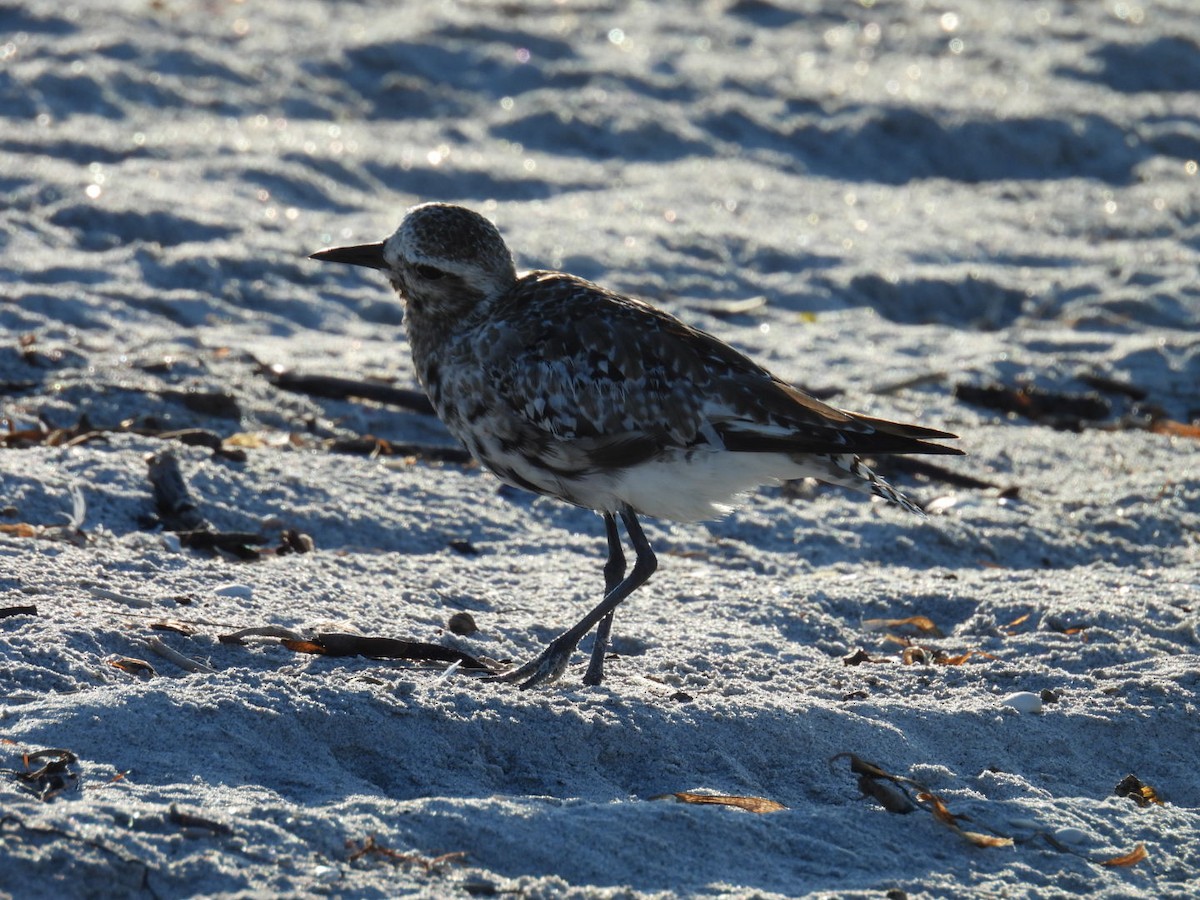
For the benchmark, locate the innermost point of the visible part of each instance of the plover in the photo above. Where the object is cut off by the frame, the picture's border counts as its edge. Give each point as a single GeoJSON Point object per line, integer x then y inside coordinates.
{"type": "Point", "coordinates": [564, 388]}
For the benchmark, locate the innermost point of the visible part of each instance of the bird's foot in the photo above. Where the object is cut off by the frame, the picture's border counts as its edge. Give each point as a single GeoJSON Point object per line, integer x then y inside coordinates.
{"type": "Point", "coordinates": [595, 669]}
{"type": "Point", "coordinates": [546, 667]}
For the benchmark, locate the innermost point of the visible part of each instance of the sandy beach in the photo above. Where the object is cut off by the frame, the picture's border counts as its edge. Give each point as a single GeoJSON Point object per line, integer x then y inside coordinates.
{"type": "Point", "coordinates": [983, 217]}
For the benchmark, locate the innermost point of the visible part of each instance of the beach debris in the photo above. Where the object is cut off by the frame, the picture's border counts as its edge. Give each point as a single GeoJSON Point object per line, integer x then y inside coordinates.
{"type": "Point", "coordinates": [1107, 385]}
{"type": "Point", "coordinates": [193, 822]}
{"type": "Point", "coordinates": [369, 445]}
{"type": "Point", "coordinates": [124, 599]}
{"type": "Point", "coordinates": [1132, 858]}
{"type": "Point", "coordinates": [1077, 411]}
{"type": "Point", "coordinates": [1067, 412]}
{"type": "Point", "coordinates": [237, 591]}
{"type": "Point", "coordinates": [1175, 429]}
{"type": "Point", "coordinates": [903, 795]}
{"type": "Point", "coordinates": [939, 506]}
{"type": "Point", "coordinates": [341, 644]}
{"type": "Point", "coordinates": [1055, 623]}
{"type": "Point", "coordinates": [749, 804]}
{"type": "Point", "coordinates": [132, 666]}
{"type": "Point", "coordinates": [910, 653]}
{"type": "Point", "coordinates": [888, 790]}
{"type": "Point", "coordinates": [219, 404]}
{"type": "Point", "coordinates": [154, 645]}
{"type": "Point", "coordinates": [893, 793]}
{"type": "Point", "coordinates": [891, 797]}
{"type": "Point", "coordinates": [462, 624]}
{"type": "Point", "coordinates": [84, 431]}
{"type": "Point", "coordinates": [429, 864]}
{"type": "Point", "coordinates": [1011, 628]}
{"type": "Point", "coordinates": [294, 541]}
{"type": "Point", "coordinates": [47, 773]}
{"type": "Point", "coordinates": [9, 611]}
{"type": "Point", "coordinates": [1023, 702]}
{"type": "Point", "coordinates": [942, 814]}
{"type": "Point", "coordinates": [174, 625]}
{"type": "Point", "coordinates": [335, 388]}
{"type": "Point", "coordinates": [178, 512]}
{"type": "Point", "coordinates": [1136, 790]}
{"type": "Point", "coordinates": [267, 631]}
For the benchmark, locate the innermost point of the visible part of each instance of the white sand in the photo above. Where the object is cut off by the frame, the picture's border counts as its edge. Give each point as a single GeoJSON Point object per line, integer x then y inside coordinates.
{"type": "Point", "coordinates": [978, 192]}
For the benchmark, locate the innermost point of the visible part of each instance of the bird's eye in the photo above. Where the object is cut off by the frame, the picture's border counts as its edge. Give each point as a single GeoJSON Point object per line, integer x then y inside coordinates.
{"type": "Point", "coordinates": [429, 273]}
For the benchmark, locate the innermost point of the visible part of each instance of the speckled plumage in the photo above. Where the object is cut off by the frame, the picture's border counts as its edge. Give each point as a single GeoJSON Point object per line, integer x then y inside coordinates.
{"type": "Point", "coordinates": [567, 389]}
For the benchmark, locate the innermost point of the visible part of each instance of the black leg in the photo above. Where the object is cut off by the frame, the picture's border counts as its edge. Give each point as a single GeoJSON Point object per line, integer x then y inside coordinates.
{"type": "Point", "coordinates": [614, 571]}
{"type": "Point", "coordinates": [552, 661]}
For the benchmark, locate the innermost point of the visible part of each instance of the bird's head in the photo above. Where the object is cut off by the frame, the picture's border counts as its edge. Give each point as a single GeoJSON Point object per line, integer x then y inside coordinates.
{"type": "Point", "coordinates": [443, 260]}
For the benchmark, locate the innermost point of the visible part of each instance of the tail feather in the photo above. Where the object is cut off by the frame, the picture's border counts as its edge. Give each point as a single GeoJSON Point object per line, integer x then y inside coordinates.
{"type": "Point", "coordinates": [858, 477]}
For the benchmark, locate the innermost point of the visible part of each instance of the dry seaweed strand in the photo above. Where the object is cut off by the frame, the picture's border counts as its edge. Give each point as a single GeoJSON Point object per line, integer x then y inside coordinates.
{"type": "Point", "coordinates": [892, 793]}
{"type": "Point", "coordinates": [749, 804]}
{"type": "Point", "coordinates": [372, 847]}
{"type": "Point", "coordinates": [54, 775]}
{"type": "Point", "coordinates": [194, 822]}
{"type": "Point", "coordinates": [341, 644]}
{"type": "Point", "coordinates": [1077, 411]}
{"type": "Point", "coordinates": [180, 514]}
{"type": "Point", "coordinates": [1138, 791]}
{"type": "Point", "coordinates": [335, 388]}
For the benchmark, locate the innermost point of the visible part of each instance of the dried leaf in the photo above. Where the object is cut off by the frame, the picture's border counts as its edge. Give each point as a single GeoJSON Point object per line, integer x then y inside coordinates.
{"type": "Point", "coordinates": [1019, 620]}
{"type": "Point", "coordinates": [133, 666]}
{"type": "Point", "coordinates": [953, 660]}
{"type": "Point", "coordinates": [1175, 429]}
{"type": "Point", "coordinates": [750, 804]}
{"type": "Point", "coordinates": [1132, 858]}
{"type": "Point", "coordinates": [940, 811]}
{"type": "Point", "coordinates": [986, 840]}
{"type": "Point", "coordinates": [22, 529]}
{"type": "Point", "coordinates": [302, 646]}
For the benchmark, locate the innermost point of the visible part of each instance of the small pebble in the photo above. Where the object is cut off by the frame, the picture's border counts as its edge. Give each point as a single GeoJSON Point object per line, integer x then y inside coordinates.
{"type": "Point", "coordinates": [241, 591]}
{"type": "Point", "coordinates": [1024, 702]}
{"type": "Point", "coordinates": [1071, 835]}
{"type": "Point", "coordinates": [325, 874]}
{"type": "Point", "coordinates": [462, 623]}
